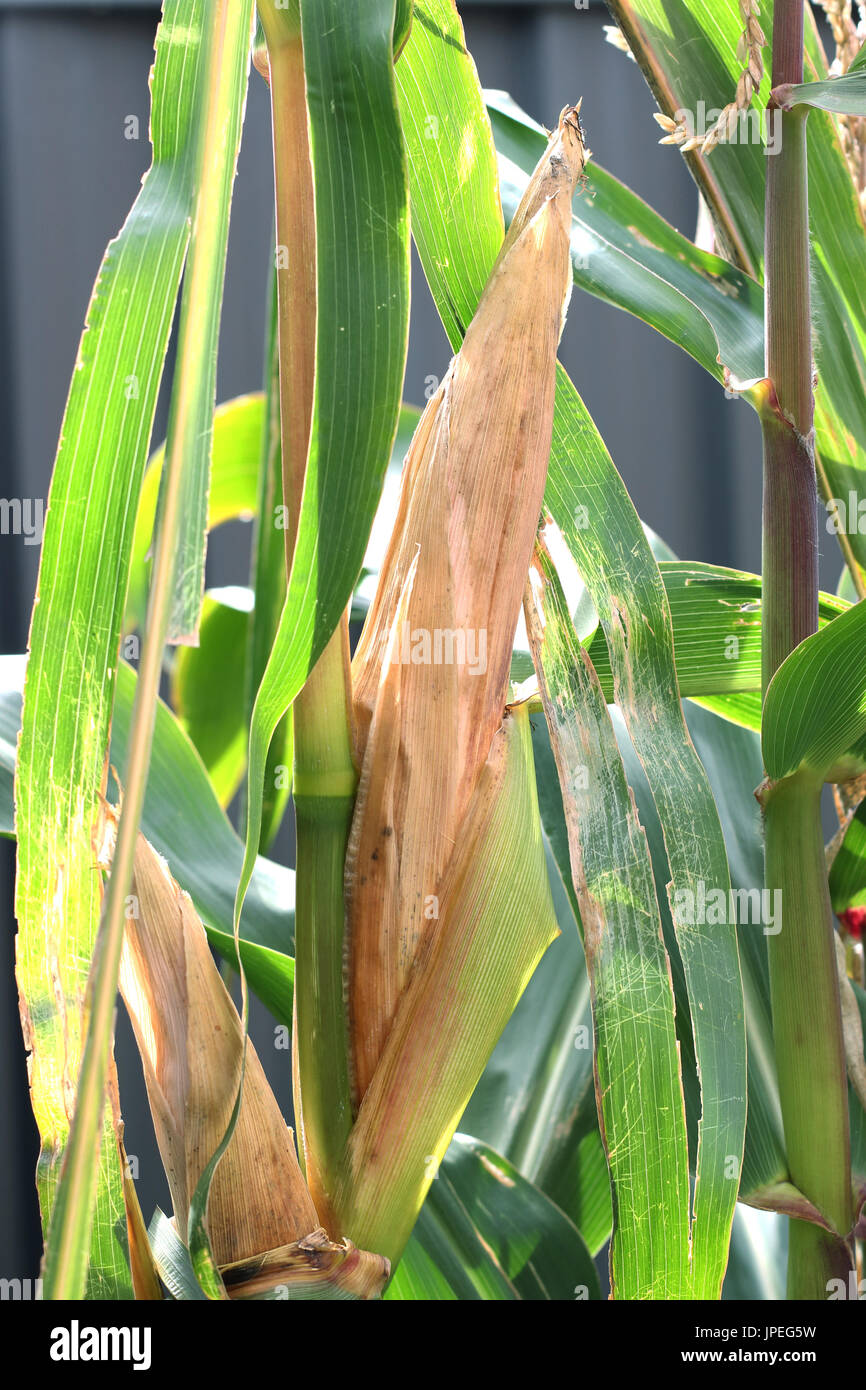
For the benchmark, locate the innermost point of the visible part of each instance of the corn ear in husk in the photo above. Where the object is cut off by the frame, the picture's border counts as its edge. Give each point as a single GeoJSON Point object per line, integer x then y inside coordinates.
{"type": "Point", "coordinates": [430, 674]}
{"type": "Point", "coordinates": [448, 899]}
{"type": "Point", "coordinates": [496, 919]}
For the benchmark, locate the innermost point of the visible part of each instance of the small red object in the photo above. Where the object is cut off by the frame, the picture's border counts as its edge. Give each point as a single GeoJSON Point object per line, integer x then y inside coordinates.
{"type": "Point", "coordinates": [853, 920]}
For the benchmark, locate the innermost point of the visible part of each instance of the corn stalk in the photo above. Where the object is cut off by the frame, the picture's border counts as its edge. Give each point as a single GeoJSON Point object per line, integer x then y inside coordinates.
{"type": "Point", "coordinates": [803, 977]}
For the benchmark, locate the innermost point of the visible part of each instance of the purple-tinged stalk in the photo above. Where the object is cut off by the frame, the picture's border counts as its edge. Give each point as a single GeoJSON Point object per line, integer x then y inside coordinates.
{"type": "Point", "coordinates": [803, 980]}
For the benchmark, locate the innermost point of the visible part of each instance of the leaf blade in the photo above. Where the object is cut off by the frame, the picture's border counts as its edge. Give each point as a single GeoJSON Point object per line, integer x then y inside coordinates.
{"type": "Point", "coordinates": [76, 622]}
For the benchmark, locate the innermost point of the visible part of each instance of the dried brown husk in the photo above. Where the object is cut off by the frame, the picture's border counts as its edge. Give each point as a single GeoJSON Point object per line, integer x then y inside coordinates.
{"type": "Point", "coordinates": [496, 919]}
{"type": "Point", "coordinates": [471, 495]}
{"type": "Point", "coordinates": [190, 1039]}
{"type": "Point", "coordinates": [315, 1268]}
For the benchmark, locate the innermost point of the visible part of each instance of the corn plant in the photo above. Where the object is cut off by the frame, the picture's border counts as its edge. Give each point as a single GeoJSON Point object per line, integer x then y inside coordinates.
{"type": "Point", "coordinates": [564, 959]}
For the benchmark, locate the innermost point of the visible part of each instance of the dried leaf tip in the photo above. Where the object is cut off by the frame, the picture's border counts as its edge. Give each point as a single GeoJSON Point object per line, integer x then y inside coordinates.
{"type": "Point", "coordinates": [567, 151]}
{"type": "Point", "coordinates": [557, 175]}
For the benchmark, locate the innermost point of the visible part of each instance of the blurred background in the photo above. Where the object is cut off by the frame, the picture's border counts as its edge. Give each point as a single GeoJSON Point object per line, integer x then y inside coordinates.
{"type": "Point", "coordinates": [70, 76]}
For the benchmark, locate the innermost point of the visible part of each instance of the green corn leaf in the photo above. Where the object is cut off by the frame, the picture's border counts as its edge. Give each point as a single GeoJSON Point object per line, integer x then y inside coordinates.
{"type": "Point", "coordinates": [268, 581]}
{"type": "Point", "coordinates": [859, 62]}
{"type": "Point", "coordinates": [209, 681]}
{"type": "Point", "coordinates": [624, 591]}
{"type": "Point", "coordinates": [636, 1056]}
{"type": "Point", "coordinates": [183, 821]}
{"type": "Point", "coordinates": [402, 25]}
{"type": "Point", "coordinates": [236, 438]}
{"type": "Point", "coordinates": [848, 870]}
{"type": "Point", "coordinates": [76, 621]}
{"type": "Point", "coordinates": [437, 131]}
{"type": "Point", "coordinates": [844, 95]}
{"type": "Point", "coordinates": [486, 1233]}
{"type": "Point", "coordinates": [732, 760]}
{"type": "Point", "coordinates": [208, 687]}
{"type": "Point", "coordinates": [815, 708]}
{"type": "Point", "coordinates": [543, 1119]}
{"type": "Point", "coordinates": [716, 615]}
{"type": "Point", "coordinates": [363, 301]}
{"type": "Point", "coordinates": [192, 406]}
{"type": "Point", "coordinates": [173, 1261]}
{"type": "Point", "coordinates": [222, 47]}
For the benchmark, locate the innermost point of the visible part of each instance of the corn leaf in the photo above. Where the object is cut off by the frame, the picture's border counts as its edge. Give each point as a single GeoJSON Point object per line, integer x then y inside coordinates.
{"type": "Point", "coordinates": [815, 708]}
{"type": "Point", "coordinates": [268, 580]}
{"type": "Point", "coordinates": [845, 95]}
{"type": "Point", "coordinates": [172, 1260]}
{"type": "Point", "coordinates": [848, 870]}
{"type": "Point", "coordinates": [183, 821]}
{"type": "Point", "coordinates": [224, 62]}
{"type": "Point", "coordinates": [486, 1233]}
{"type": "Point", "coordinates": [208, 688]}
{"type": "Point", "coordinates": [236, 436]}
{"type": "Point", "coordinates": [716, 616]}
{"type": "Point", "coordinates": [732, 759]}
{"type": "Point", "coordinates": [209, 682]}
{"type": "Point", "coordinates": [77, 615]}
{"type": "Point", "coordinates": [363, 293]}
{"type": "Point", "coordinates": [638, 1081]}
{"type": "Point", "coordinates": [193, 397]}
{"type": "Point", "coordinates": [543, 1119]}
